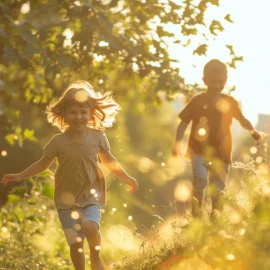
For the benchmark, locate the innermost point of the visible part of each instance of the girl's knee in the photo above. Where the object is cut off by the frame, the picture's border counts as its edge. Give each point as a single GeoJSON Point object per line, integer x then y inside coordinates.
{"type": "Point", "coordinates": [90, 228]}
{"type": "Point", "coordinates": [77, 247]}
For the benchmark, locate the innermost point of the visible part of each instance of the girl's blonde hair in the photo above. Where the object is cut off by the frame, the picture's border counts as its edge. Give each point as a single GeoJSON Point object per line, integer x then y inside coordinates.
{"type": "Point", "coordinates": [102, 106]}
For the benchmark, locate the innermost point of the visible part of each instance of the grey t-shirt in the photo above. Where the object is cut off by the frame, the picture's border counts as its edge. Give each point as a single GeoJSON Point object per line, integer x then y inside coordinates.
{"type": "Point", "coordinates": [79, 180]}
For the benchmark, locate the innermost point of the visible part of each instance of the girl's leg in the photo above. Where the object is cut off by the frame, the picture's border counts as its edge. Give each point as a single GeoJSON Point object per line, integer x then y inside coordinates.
{"type": "Point", "coordinates": [77, 256]}
{"type": "Point", "coordinates": [72, 230]}
{"type": "Point", "coordinates": [93, 236]}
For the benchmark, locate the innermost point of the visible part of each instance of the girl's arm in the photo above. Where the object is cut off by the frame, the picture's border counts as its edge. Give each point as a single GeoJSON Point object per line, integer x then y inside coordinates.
{"type": "Point", "coordinates": [32, 170]}
{"type": "Point", "coordinates": [114, 166]}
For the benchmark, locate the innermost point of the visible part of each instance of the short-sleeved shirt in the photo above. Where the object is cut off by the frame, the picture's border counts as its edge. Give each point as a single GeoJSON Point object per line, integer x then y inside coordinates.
{"type": "Point", "coordinates": [211, 125]}
{"type": "Point", "coordinates": [79, 181]}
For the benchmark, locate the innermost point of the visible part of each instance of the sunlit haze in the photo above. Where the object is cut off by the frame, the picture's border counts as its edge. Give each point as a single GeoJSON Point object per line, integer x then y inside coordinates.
{"type": "Point", "coordinates": [249, 36]}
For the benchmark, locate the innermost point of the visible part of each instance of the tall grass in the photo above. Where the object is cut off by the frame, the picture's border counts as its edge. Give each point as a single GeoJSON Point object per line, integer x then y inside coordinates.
{"type": "Point", "coordinates": [238, 239]}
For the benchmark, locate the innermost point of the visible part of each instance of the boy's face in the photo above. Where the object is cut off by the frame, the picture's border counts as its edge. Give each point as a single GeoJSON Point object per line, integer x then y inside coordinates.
{"type": "Point", "coordinates": [215, 82]}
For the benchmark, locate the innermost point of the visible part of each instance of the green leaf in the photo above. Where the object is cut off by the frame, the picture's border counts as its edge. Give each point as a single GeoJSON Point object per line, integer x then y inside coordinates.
{"type": "Point", "coordinates": [29, 135]}
{"type": "Point", "coordinates": [162, 33]}
{"type": "Point", "coordinates": [232, 89]}
{"type": "Point", "coordinates": [214, 2]}
{"type": "Point", "coordinates": [230, 47]}
{"type": "Point", "coordinates": [201, 50]}
{"type": "Point", "coordinates": [13, 198]}
{"type": "Point", "coordinates": [216, 26]}
{"type": "Point", "coordinates": [48, 190]}
{"type": "Point", "coordinates": [32, 218]}
{"type": "Point", "coordinates": [228, 18]}
{"type": "Point", "coordinates": [10, 138]}
{"type": "Point", "coordinates": [45, 174]}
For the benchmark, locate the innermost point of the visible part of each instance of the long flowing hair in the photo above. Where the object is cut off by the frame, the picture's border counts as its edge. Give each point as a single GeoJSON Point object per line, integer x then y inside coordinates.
{"type": "Point", "coordinates": [103, 107]}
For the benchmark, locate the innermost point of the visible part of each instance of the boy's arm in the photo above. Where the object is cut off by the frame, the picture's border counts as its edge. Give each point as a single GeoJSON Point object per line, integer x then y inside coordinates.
{"type": "Point", "coordinates": [245, 123]}
{"type": "Point", "coordinates": [114, 166]}
{"type": "Point", "coordinates": [32, 170]}
{"type": "Point", "coordinates": [179, 136]}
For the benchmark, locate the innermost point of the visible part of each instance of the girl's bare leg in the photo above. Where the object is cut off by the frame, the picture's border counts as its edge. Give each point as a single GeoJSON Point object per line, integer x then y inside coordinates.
{"type": "Point", "coordinates": [93, 236]}
{"type": "Point", "coordinates": [77, 256]}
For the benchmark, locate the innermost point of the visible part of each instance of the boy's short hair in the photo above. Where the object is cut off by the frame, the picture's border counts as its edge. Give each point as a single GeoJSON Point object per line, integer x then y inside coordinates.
{"type": "Point", "coordinates": [214, 66]}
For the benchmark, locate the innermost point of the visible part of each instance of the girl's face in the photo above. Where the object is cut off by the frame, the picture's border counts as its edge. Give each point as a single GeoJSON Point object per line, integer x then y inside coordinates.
{"type": "Point", "coordinates": [77, 116]}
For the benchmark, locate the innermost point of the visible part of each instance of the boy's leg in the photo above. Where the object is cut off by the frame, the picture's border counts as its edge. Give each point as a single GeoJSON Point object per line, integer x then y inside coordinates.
{"type": "Point", "coordinates": [77, 256]}
{"type": "Point", "coordinates": [217, 182]}
{"type": "Point", "coordinates": [200, 178]}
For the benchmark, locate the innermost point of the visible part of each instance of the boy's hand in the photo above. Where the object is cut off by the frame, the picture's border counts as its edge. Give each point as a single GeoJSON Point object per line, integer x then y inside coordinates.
{"type": "Point", "coordinates": [133, 183]}
{"type": "Point", "coordinates": [257, 136]}
{"type": "Point", "coordinates": [11, 178]}
{"type": "Point", "coordinates": [176, 152]}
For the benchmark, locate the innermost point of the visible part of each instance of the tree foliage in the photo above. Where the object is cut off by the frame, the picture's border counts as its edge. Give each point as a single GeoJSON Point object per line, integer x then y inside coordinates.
{"type": "Point", "coordinates": [45, 44]}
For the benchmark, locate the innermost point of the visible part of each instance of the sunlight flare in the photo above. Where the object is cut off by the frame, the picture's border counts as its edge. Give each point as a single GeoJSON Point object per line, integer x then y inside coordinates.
{"type": "Point", "coordinates": [183, 191]}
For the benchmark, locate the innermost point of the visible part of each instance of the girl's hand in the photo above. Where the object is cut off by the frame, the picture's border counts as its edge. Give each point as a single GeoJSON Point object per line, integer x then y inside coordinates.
{"type": "Point", "coordinates": [11, 178]}
{"type": "Point", "coordinates": [133, 183]}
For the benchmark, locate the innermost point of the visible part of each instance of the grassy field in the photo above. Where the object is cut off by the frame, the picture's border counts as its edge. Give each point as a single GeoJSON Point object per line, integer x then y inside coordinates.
{"type": "Point", "coordinates": [239, 238]}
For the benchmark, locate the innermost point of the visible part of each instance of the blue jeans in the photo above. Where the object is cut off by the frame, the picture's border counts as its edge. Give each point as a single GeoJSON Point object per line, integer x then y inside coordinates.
{"type": "Point", "coordinates": [214, 175]}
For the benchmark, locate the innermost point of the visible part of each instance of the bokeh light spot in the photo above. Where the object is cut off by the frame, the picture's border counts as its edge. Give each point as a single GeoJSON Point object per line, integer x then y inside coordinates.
{"type": "Point", "coordinates": [81, 96]}
{"type": "Point", "coordinates": [253, 150]}
{"type": "Point", "coordinates": [74, 215]}
{"type": "Point", "coordinates": [242, 231]}
{"type": "Point", "coordinates": [266, 190]}
{"type": "Point", "coordinates": [203, 120]}
{"type": "Point", "coordinates": [121, 236]}
{"type": "Point", "coordinates": [67, 198]}
{"type": "Point", "coordinates": [183, 191]}
{"type": "Point", "coordinates": [78, 239]}
{"type": "Point", "coordinates": [77, 227]}
{"type": "Point", "coordinates": [223, 105]}
{"type": "Point", "coordinates": [230, 257]}
{"type": "Point", "coordinates": [235, 217]}
{"type": "Point", "coordinates": [4, 153]}
{"type": "Point", "coordinates": [263, 168]}
{"type": "Point", "coordinates": [4, 229]}
{"type": "Point", "coordinates": [145, 164]}
{"type": "Point", "coordinates": [202, 132]}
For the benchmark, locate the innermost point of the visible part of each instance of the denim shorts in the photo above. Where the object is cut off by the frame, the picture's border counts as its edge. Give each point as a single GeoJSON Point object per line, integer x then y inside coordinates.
{"type": "Point", "coordinates": [73, 218]}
